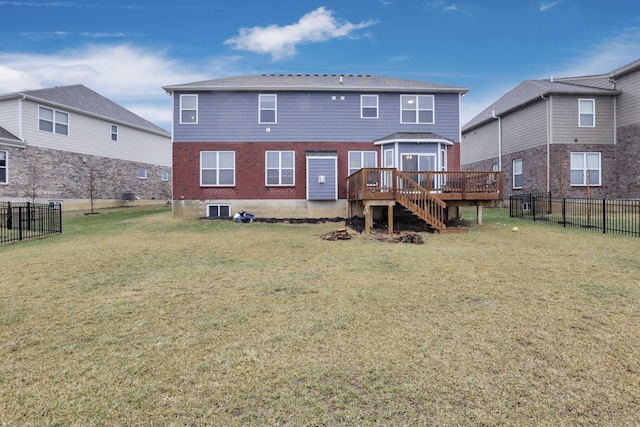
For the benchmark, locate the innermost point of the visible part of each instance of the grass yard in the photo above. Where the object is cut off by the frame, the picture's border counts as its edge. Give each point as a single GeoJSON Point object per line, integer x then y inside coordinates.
{"type": "Point", "coordinates": [132, 317]}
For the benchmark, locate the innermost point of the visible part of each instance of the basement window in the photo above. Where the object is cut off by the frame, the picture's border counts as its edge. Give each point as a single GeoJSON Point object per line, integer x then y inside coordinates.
{"type": "Point", "coordinates": [219, 211]}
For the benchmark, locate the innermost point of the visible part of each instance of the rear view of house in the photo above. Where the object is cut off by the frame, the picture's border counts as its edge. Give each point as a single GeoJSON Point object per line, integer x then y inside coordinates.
{"type": "Point", "coordinates": [285, 145]}
{"type": "Point", "coordinates": [68, 144]}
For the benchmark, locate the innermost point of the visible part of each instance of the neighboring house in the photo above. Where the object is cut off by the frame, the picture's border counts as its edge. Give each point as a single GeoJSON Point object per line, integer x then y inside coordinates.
{"type": "Point", "coordinates": [575, 136]}
{"type": "Point", "coordinates": [284, 145]}
{"type": "Point", "coordinates": [65, 143]}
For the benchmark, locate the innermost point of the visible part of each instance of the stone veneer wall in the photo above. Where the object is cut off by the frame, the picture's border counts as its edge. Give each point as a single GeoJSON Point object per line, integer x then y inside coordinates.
{"type": "Point", "coordinates": [628, 162]}
{"type": "Point", "coordinates": [61, 175]}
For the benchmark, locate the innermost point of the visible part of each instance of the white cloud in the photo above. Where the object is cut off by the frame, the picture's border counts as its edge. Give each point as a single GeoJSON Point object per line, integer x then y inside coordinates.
{"type": "Point", "coordinates": [445, 6]}
{"type": "Point", "coordinates": [131, 76]}
{"type": "Point", "coordinates": [280, 42]}
{"type": "Point", "coordinates": [603, 57]}
{"type": "Point", "coordinates": [544, 6]}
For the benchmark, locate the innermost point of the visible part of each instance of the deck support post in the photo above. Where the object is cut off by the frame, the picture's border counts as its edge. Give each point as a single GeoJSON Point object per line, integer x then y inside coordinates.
{"type": "Point", "coordinates": [368, 219]}
{"type": "Point", "coordinates": [479, 214]}
{"type": "Point", "coordinates": [390, 219]}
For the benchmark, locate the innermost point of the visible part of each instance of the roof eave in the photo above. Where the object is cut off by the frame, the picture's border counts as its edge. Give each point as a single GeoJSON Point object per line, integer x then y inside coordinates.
{"type": "Point", "coordinates": [205, 88]}
{"type": "Point", "coordinates": [414, 140]}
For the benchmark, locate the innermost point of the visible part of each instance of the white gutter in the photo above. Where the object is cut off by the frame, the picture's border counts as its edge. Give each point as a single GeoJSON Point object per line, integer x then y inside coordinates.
{"type": "Point", "coordinates": [493, 114]}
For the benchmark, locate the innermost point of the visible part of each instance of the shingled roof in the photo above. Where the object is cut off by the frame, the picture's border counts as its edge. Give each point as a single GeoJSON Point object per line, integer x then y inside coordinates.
{"type": "Point", "coordinates": [530, 91]}
{"type": "Point", "coordinates": [82, 99]}
{"type": "Point", "coordinates": [316, 82]}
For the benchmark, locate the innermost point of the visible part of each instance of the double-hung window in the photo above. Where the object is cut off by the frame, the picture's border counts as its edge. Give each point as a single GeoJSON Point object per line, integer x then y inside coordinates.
{"type": "Point", "coordinates": [585, 169]}
{"type": "Point", "coordinates": [369, 106]}
{"type": "Point", "coordinates": [268, 108]}
{"type": "Point", "coordinates": [217, 168]}
{"type": "Point", "coordinates": [4, 175]}
{"type": "Point", "coordinates": [417, 109]}
{"type": "Point", "coordinates": [586, 112]}
{"type": "Point", "coordinates": [53, 121]}
{"type": "Point", "coordinates": [114, 132]}
{"type": "Point", "coordinates": [362, 159]}
{"type": "Point", "coordinates": [280, 168]}
{"type": "Point", "coordinates": [517, 173]}
{"type": "Point", "coordinates": [189, 109]}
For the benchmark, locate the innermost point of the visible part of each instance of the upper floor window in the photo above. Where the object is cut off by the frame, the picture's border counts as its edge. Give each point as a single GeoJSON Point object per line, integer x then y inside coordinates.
{"type": "Point", "coordinates": [268, 108]}
{"type": "Point", "coordinates": [417, 109]}
{"type": "Point", "coordinates": [4, 175]}
{"type": "Point", "coordinates": [585, 169]}
{"type": "Point", "coordinates": [280, 168]}
{"type": "Point", "coordinates": [164, 176]}
{"type": "Point", "coordinates": [517, 173]}
{"type": "Point", "coordinates": [217, 168]}
{"type": "Point", "coordinates": [587, 112]}
{"type": "Point", "coordinates": [53, 121]}
{"type": "Point", "coordinates": [188, 108]}
{"type": "Point", "coordinates": [362, 159]}
{"type": "Point", "coordinates": [114, 132]}
{"type": "Point", "coordinates": [369, 106]}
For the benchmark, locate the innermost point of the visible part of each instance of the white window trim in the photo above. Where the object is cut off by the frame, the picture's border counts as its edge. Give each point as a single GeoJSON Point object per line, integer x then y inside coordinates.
{"type": "Point", "coordinates": [5, 167]}
{"type": "Point", "coordinates": [513, 173]}
{"type": "Point", "coordinates": [586, 169]}
{"type": "Point", "coordinates": [55, 113]}
{"type": "Point", "coordinates": [142, 175]}
{"type": "Point", "coordinates": [362, 106]}
{"type": "Point", "coordinates": [114, 133]}
{"type": "Point", "coordinates": [417, 110]}
{"type": "Point", "coordinates": [162, 175]}
{"type": "Point", "coordinates": [190, 109]}
{"type": "Point", "coordinates": [280, 168]}
{"type": "Point", "coordinates": [361, 152]}
{"type": "Point", "coordinates": [274, 109]}
{"type": "Point", "coordinates": [218, 168]}
{"type": "Point", "coordinates": [580, 113]}
{"type": "Point", "coordinates": [219, 205]}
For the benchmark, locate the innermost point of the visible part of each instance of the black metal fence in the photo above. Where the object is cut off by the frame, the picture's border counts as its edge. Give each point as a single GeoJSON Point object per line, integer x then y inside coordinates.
{"type": "Point", "coordinates": [604, 215]}
{"type": "Point", "coordinates": [22, 221]}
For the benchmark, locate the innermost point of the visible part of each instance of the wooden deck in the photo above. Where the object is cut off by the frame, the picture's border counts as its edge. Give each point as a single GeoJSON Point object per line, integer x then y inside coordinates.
{"type": "Point", "coordinates": [427, 194]}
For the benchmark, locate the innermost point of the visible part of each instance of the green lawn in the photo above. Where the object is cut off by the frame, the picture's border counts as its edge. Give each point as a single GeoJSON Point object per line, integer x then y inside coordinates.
{"type": "Point", "coordinates": [132, 317]}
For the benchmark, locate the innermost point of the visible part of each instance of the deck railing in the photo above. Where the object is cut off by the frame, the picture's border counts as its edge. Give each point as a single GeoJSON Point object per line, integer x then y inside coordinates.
{"type": "Point", "coordinates": [381, 183]}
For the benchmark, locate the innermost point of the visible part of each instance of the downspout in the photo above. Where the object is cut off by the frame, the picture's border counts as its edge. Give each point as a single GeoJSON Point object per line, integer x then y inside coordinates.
{"type": "Point", "coordinates": [549, 137]}
{"type": "Point", "coordinates": [493, 114]}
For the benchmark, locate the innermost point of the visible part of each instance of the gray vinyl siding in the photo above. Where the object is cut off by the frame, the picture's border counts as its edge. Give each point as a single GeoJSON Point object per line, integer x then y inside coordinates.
{"type": "Point", "coordinates": [9, 116]}
{"type": "Point", "coordinates": [480, 144]}
{"type": "Point", "coordinates": [307, 117]}
{"type": "Point", "coordinates": [565, 121]}
{"type": "Point", "coordinates": [525, 128]}
{"type": "Point", "coordinates": [92, 136]}
{"type": "Point", "coordinates": [325, 166]}
{"type": "Point", "coordinates": [629, 100]}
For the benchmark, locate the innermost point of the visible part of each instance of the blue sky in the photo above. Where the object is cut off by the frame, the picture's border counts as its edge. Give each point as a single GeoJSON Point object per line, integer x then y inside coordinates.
{"type": "Point", "coordinates": [127, 50]}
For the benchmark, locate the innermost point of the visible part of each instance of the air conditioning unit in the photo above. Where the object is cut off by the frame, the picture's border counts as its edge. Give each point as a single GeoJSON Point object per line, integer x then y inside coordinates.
{"type": "Point", "coordinates": [526, 207]}
{"type": "Point", "coordinates": [129, 197]}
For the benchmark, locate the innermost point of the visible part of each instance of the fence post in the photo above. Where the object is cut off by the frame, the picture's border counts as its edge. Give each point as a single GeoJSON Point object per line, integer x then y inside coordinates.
{"type": "Point", "coordinates": [564, 212]}
{"type": "Point", "coordinates": [533, 200]}
{"type": "Point", "coordinates": [20, 223]}
{"type": "Point", "coordinates": [604, 216]}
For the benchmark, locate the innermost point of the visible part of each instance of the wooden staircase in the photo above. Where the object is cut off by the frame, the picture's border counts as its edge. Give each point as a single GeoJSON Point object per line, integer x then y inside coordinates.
{"type": "Point", "coordinates": [420, 201]}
